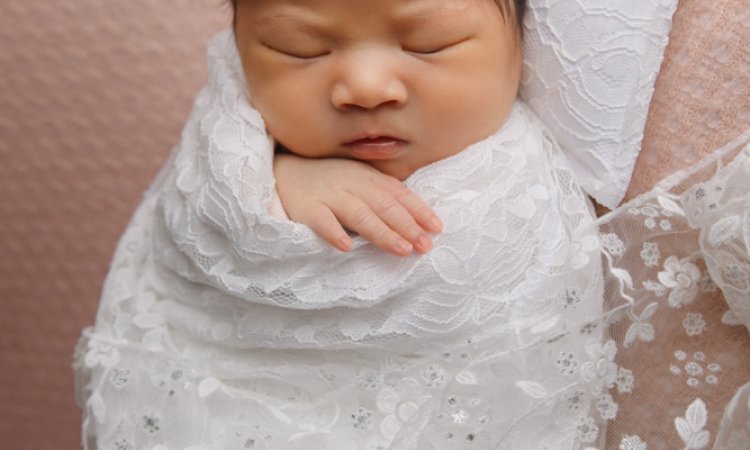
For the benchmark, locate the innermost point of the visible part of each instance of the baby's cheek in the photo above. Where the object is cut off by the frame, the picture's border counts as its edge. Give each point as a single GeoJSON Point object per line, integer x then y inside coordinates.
{"type": "Point", "coordinates": [292, 128]}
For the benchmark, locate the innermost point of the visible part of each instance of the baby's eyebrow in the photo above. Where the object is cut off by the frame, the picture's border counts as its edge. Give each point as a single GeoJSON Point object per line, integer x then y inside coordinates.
{"type": "Point", "coordinates": [420, 14]}
{"type": "Point", "coordinates": [287, 20]}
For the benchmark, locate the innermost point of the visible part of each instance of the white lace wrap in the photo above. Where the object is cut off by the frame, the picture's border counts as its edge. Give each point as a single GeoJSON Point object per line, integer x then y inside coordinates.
{"type": "Point", "coordinates": [204, 273]}
{"type": "Point", "coordinates": [503, 213]}
{"type": "Point", "coordinates": [530, 325]}
{"type": "Point", "coordinates": [589, 74]}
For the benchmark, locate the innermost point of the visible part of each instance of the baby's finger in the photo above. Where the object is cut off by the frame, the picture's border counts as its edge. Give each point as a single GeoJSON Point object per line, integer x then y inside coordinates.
{"type": "Point", "coordinates": [325, 224]}
{"type": "Point", "coordinates": [360, 218]}
{"type": "Point", "coordinates": [387, 207]}
{"type": "Point", "coordinates": [422, 213]}
{"type": "Point", "coordinates": [414, 205]}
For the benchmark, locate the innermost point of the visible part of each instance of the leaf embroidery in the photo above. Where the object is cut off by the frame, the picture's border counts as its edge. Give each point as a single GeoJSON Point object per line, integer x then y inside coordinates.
{"type": "Point", "coordinates": [532, 389]}
{"type": "Point", "coordinates": [208, 386]}
{"type": "Point", "coordinates": [690, 427]}
{"type": "Point", "coordinates": [624, 276]}
{"type": "Point", "coordinates": [670, 205]}
{"type": "Point", "coordinates": [641, 328]}
{"type": "Point", "coordinates": [466, 378]}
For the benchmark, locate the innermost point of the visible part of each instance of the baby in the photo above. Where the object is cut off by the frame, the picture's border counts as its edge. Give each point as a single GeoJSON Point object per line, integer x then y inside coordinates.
{"type": "Point", "coordinates": [223, 326]}
{"type": "Point", "coordinates": [414, 83]}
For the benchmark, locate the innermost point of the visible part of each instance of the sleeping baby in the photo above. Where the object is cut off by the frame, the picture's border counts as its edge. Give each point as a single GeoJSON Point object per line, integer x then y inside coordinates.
{"type": "Point", "coordinates": [224, 324]}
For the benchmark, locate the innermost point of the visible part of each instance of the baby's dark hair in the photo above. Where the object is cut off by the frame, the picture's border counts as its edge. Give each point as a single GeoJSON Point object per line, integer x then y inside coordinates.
{"type": "Point", "coordinates": [509, 8]}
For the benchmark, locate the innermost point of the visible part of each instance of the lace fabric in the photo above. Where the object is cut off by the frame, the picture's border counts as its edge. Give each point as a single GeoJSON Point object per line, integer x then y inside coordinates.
{"type": "Point", "coordinates": [699, 103]}
{"type": "Point", "coordinates": [531, 325]}
{"type": "Point", "coordinates": [682, 335]}
{"type": "Point", "coordinates": [589, 74]}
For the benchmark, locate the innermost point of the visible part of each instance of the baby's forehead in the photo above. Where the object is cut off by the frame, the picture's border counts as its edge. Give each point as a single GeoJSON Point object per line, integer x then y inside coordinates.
{"type": "Point", "coordinates": [511, 10]}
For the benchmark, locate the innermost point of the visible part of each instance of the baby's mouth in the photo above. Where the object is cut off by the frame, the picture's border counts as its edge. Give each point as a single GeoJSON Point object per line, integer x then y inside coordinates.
{"type": "Point", "coordinates": [375, 147]}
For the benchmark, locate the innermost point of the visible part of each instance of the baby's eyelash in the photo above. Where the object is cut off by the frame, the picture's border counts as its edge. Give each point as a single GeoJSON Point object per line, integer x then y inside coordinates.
{"type": "Point", "coordinates": [432, 49]}
{"type": "Point", "coordinates": [294, 54]}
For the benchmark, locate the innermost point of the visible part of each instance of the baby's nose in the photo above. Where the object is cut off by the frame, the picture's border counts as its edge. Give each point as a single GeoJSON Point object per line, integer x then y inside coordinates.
{"type": "Point", "coordinates": [367, 80]}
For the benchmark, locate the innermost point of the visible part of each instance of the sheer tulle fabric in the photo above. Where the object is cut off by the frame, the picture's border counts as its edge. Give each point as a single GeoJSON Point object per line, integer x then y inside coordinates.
{"type": "Point", "coordinates": [531, 325]}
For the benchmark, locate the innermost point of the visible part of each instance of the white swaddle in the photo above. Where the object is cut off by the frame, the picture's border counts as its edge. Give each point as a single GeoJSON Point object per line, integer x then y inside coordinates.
{"type": "Point", "coordinates": [224, 327]}
{"type": "Point", "coordinates": [530, 325]}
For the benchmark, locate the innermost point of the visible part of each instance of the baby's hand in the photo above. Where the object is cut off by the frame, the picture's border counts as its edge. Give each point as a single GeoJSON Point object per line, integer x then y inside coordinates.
{"type": "Point", "coordinates": [329, 194]}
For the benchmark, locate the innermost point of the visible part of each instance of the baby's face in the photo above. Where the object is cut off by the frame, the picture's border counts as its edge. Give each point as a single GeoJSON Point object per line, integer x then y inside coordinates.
{"type": "Point", "coordinates": [398, 84]}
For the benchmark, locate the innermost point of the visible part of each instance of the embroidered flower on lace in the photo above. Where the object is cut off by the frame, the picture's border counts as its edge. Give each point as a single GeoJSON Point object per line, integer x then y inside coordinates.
{"type": "Point", "coordinates": [695, 368]}
{"type": "Point", "coordinates": [632, 443]}
{"type": "Point", "coordinates": [625, 380]}
{"type": "Point", "coordinates": [399, 404]}
{"type": "Point", "coordinates": [705, 198]}
{"type": "Point", "coordinates": [460, 417]}
{"type": "Point", "coordinates": [119, 377]}
{"type": "Point", "coordinates": [657, 288]}
{"type": "Point", "coordinates": [170, 379]}
{"type": "Point", "coordinates": [682, 277]}
{"type": "Point", "coordinates": [650, 254]}
{"type": "Point", "coordinates": [567, 363]}
{"type": "Point", "coordinates": [613, 244]}
{"type": "Point", "coordinates": [151, 423]}
{"type": "Point", "coordinates": [571, 298]}
{"type": "Point", "coordinates": [587, 429]}
{"type": "Point", "coordinates": [601, 370]}
{"type": "Point", "coordinates": [101, 353]}
{"type": "Point", "coordinates": [573, 404]}
{"type": "Point", "coordinates": [362, 419]}
{"type": "Point", "coordinates": [734, 272]}
{"type": "Point", "coordinates": [434, 376]}
{"type": "Point", "coordinates": [581, 251]}
{"type": "Point", "coordinates": [373, 381]}
{"type": "Point", "coordinates": [607, 407]}
{"type": "Point", "coordinates": [711, 378]}
{"type": "Point", "coordinates": [694, 324]}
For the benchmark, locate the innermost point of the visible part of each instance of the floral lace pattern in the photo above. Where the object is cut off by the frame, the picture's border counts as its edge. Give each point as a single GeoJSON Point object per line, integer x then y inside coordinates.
{"type": "Point", "coordinates": [531, 325]}
{"type": "Point", "coordinates": [678, 293]}
{"type": "Point", "coordinates": [593, 92]}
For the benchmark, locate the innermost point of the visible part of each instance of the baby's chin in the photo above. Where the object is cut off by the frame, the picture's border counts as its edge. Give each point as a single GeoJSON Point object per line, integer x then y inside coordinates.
{"type": "Point", "coordinates": [397, 170]}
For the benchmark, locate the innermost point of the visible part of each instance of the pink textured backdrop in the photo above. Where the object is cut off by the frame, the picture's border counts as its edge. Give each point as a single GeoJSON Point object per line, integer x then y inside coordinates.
{"type": "Point", "coordinates": [94, 94]}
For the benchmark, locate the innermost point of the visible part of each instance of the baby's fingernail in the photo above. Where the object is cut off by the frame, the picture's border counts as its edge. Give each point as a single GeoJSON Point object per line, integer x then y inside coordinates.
{"type": "Point", "coordinates": [403, 246]}
{"type": "Point", "coordinates": [424, 243]}
{"type": "Point", "coordinates": [435, 223]}
{"type": "Point", "coordinates": [344, 244]}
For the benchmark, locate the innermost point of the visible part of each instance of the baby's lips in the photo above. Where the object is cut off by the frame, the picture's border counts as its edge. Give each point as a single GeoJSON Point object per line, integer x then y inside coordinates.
{"type": "Point", "coordinates": [374, 148]}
